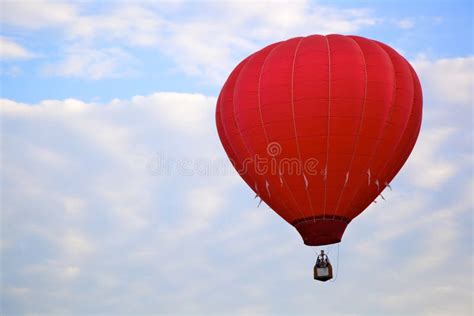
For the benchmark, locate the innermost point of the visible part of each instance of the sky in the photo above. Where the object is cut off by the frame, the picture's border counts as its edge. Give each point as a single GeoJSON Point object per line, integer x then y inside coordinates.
{"type": "Point", "coordinates": [118, 199]}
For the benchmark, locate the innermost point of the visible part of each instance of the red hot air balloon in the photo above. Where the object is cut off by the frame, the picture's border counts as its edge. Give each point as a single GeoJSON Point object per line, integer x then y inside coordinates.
{"type": "Point", "coordinates": [318, 126]}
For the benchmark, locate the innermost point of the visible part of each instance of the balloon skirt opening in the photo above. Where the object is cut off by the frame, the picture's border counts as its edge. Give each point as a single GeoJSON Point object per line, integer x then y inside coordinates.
{"type": "Point", "coordinates": [321, 231]}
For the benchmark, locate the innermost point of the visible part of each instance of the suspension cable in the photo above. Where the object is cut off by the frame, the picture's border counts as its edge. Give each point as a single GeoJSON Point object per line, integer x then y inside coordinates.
{"type": "Point", "coordinates": [337, 265]}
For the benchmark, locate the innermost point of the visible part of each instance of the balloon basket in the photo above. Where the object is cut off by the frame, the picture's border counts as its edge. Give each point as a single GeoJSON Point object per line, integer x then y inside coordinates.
{"type": "Point", "coordinates": [323, 274]}
{"type": "Point", "coordinates": [323, 268]}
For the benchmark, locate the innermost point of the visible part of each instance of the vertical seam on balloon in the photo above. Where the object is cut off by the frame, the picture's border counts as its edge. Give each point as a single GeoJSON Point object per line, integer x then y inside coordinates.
{"type": "Point", "coordinates": [294, 121]}
{"type": "Point", "coordinates": [234, 118]}
{"type": "Point", "coordinates": [360, 125]}
{"type": "Point", "coordinates": [220, 122]}
{"type": "Point", "coordinates": [416, 133]}
{"type": "Point", "coordinates": [238, 127]}
{"type": "Point", "coordinates": [410, 147]}
{"type": "Point", "coordinates": [263, 125]}
{"type": "Point", "coordinates": [382, 170]}
{"type": "Point", "coordinates": [387, 119]}
{"type": "Point", "coordinates": [328, 130]}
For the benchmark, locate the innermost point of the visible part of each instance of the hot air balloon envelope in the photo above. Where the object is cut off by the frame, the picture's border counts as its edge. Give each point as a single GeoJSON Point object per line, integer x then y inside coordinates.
{"type": "Point", "coordinates": [318, 126]}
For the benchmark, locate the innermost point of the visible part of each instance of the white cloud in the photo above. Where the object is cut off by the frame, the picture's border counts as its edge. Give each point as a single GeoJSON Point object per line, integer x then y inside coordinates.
{"type": "Point", "coordinates": [95, 214]}
{"type": "Point", "coordinates": [180, 112]}
{"type": "Point", "coordinates": [449, 79]}
{"type": "Point", "coordinates": [110, 136]}
{"type": "Point", "coordinates": [10, 70]}
{"type": "Point", "coordinates": [405, 24]}
{"type": "Point", "coordinates": [12, 50]}
{"type": "Point", "coordinates": [94, 64]}
{"type": "Point", "coordinates": [74, 206]}
{"type": "Point", "coordinates": [202, 205]}
{"type": "Point", "coordinates": [71, 272]}
{"type": "Point", "coordinates": [244, 29]}
{"type": "Point", "coordinates": [37, 14]}
{"type": "Point", "coordinates": [122, 25]}
{"type": "Point", "coordinates": [428, 164]}
{"type": "Point", "coordinates": [206, 44]}
{"type": "Point", "coordinates": [75, 244]}
{"type": "Point", "coordinates": [18, 291]}
{"type": "Point", "coordinates": [135, 25]}
{"type": "Point", "coordinates": [211, 201]}
{"type": "Point", "coordinates": [50, 158]}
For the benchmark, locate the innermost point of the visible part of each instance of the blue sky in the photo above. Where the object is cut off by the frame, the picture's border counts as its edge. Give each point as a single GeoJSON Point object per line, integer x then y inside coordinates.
{"type": "Point", "coordinates": [117, 198]}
